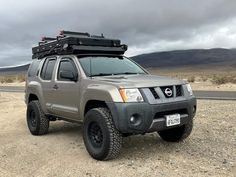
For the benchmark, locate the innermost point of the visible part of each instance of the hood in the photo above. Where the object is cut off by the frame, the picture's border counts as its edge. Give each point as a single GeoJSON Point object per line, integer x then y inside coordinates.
{"type": "Point", "coordinates": [139, 81]}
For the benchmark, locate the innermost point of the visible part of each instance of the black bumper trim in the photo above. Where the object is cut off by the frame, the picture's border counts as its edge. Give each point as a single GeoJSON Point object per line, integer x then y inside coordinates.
{"type": "Point", "coordinates": [146, 112]}
{"type": "Point", "coordinates": [160, 123]}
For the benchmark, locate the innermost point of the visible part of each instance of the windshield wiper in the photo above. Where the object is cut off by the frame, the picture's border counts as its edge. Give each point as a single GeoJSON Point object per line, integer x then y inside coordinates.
{"type": "Point", "coordinates": [126, 73]}
{"type": "Point", "coordinates": [101, 74]}
{"type": "Point", "coordinates": [111, 74]}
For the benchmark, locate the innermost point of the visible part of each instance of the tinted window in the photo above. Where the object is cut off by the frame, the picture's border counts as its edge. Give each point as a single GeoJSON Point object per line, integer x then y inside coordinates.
{"type": "Point", "coordinates": [109, 65]}
{"type": "Point", "coordinates": [47, 69]}
{"type": "Point", "coordinates": [34, 67]}
{"type": "Point", "coordinates": [66, 65]}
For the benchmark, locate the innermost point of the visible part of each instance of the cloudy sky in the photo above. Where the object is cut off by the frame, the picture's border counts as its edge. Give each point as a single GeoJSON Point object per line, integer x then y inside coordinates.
{"type": "Point", "coordinates": [146, 26]}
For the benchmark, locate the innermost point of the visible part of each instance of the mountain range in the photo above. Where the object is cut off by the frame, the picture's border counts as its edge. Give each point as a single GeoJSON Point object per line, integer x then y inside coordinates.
{"type": "Point", "coordinates": [206, 58]}
{"type": "Point", "coordinates": [188, 58]}
{"type": "Point", "coordinates": [14, 69]}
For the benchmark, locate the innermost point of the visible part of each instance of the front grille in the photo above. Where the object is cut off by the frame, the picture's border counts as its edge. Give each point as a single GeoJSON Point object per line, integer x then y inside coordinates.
{"type": "Point", "coordinates": [179, 91]}
{"type": "Point", "coordinates": [168, 91]}
{"type": "Point", "coordinates": [154, 93]}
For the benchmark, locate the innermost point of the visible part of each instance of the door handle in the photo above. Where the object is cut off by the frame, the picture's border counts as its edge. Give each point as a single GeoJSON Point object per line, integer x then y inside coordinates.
{"type": "Point", "coordinates": [55, 87]}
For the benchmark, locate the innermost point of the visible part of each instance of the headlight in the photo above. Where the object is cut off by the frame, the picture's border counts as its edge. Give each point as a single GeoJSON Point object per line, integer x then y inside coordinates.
{"type": "Point", "coordinates": [131, 95]}
{"type": "Point", "coordinates": [190, 91]}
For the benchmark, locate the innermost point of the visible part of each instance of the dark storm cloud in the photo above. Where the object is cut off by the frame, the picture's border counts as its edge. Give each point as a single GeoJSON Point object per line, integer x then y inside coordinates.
{"type": "Point", "coordinates": [146, 26]}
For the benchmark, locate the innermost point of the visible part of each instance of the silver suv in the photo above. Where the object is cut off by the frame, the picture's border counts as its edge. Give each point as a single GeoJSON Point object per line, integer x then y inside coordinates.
{"type": "Point", "coordinates": [111, 95]}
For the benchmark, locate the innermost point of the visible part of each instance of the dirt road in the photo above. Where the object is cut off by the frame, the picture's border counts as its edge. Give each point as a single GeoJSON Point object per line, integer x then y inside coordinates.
{"type": "Point", "coordinates": [210, 151]}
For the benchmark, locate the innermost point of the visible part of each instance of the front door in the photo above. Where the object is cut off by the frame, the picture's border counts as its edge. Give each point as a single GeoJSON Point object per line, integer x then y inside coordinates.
{"type": "Point", "coordinates": [66, 90]}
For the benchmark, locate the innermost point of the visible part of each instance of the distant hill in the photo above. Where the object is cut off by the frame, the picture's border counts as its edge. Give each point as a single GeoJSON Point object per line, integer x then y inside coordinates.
{"type": "Point", "coordinates": [207, 58]}
{"type": "Point", "coordinates": [15, 70]}
{"type": "Point", "coordinates": [181, 58]}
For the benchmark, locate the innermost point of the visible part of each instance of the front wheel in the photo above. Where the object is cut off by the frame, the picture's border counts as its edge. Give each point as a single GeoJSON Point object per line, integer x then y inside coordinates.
{"type": "Point", "coordinates": [177, 134]}
{"type": "Point", "coordinates": [102, 140]}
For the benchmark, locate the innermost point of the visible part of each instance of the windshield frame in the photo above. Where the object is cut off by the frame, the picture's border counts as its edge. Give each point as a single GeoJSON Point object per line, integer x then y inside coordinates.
{"type": "Point", "coordinates": [108, 55]}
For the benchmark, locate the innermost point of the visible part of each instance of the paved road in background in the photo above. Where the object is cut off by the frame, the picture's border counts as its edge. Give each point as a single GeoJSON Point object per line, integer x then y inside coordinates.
{"type": "Point", "coordinates": [12, 89]}
{"type": "Point", "coordinates": [211, 95]}
{"type": "Point", "coordinates": [215, 95]}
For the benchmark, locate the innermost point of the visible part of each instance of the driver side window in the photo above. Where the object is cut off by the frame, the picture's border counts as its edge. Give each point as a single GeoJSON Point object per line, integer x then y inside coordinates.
{"type": "Point", "coordinates": [66, 65]}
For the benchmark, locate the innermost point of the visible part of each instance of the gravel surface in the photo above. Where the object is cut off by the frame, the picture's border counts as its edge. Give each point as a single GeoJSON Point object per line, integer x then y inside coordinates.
{"type": "Point", "coordinates": [209, 151]}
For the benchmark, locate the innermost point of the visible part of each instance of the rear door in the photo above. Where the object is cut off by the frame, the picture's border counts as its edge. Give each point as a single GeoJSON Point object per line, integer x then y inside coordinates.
{"type": "Point", "coordinates": [66, 92]}
{"type": "Point", "coordinates": [47, 82]}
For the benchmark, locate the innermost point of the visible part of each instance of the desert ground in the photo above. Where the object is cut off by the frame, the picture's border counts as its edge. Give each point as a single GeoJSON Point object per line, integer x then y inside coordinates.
{"type": "Point", "coordinates": [209, 151]}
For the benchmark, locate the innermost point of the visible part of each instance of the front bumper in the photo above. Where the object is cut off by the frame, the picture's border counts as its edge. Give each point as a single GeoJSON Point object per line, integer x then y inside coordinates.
{"type": "Point", "coordinates": [150, 117]}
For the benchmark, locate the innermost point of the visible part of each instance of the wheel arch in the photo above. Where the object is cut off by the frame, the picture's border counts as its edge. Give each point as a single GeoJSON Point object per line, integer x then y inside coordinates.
{"type": "Point", "coordinates": [97, 95]}
{"type": "Point", "coordinates": [90, 104]}
{"type": "Point", "coordinates": [32, 97]}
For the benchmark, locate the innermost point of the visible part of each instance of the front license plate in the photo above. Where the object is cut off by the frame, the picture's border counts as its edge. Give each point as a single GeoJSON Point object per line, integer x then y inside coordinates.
{"type": "Point", "coordinates": [172, 120]}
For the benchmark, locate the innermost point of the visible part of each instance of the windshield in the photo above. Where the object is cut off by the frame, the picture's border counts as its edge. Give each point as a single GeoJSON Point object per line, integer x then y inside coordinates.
{"type": "Point", "coordinates": [109, 65]}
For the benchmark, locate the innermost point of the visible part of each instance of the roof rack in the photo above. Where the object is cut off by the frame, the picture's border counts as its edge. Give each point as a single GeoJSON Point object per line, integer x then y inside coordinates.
{"type": "Point", "coordinates": [69, 42]}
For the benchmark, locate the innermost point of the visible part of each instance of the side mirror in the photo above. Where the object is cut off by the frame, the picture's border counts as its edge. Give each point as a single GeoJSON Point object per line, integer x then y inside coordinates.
{"type": "Point", "coordinates": [68, 75]}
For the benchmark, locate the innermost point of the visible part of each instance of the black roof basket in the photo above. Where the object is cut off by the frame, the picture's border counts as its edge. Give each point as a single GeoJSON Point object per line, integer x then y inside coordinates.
{"type": "Point", "coordinates": [69, 42]}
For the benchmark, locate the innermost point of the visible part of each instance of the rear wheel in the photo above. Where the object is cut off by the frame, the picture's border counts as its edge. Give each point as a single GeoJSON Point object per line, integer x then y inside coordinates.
{"type": "Point", "coordinates": [37, 122]}
{"type": "Point", "coordinates": [102, 140]}
{"type": "Point", "coordinates": [178, 133]}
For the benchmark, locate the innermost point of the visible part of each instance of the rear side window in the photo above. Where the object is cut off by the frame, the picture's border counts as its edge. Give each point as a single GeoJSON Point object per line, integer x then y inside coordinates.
{"type": "Point", "coordinates": [34, 68]}
{"type": "Point", "coordinates": [47, 70]}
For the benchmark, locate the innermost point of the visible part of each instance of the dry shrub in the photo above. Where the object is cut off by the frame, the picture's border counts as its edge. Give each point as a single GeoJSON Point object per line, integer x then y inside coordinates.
{"type": "Point", "coordinates": [21, 78]}
{"type": "Point", "coordinates": [233, 80]}
{"type": "Point", "coordinates": [204, 78]}
{"type": "Point", "coordinates": [12, 78]}
{"type": "Point", "coordinates": [7, 79]}
{"type": "Point", "coordinates": [191, 79]}
{"type": "Point", "coordinates": [219, 80]}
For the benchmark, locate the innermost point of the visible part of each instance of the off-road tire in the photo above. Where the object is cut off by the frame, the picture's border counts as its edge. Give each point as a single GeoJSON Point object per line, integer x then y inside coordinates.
{"type": "Point", "coordinates": [111, 142]}
{"type": "Point", "coordinates": [37, 122]}
{"type": "Point", "coordinates": [177, 134]}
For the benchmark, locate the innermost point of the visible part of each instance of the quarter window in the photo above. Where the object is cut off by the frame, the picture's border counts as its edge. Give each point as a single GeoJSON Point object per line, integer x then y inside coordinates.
{"type": "Point", "coordinates": [47, 69]}
{"type": "Point", "coordinates": [33, 69]}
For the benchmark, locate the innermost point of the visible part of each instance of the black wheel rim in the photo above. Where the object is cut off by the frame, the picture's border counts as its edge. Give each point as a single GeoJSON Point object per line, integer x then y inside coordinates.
{"type": "Point", "coordinates": [95, 134]}
{"type": "Point", "coordinates": [32, 118]}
